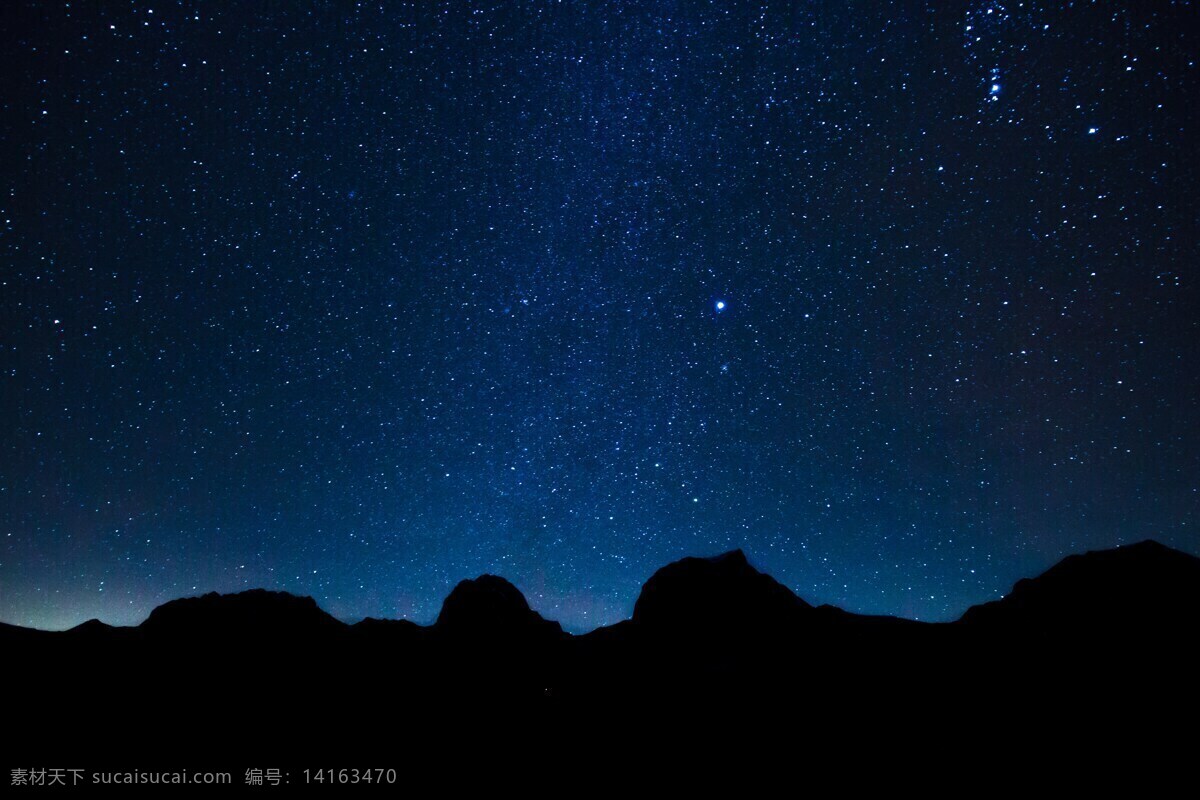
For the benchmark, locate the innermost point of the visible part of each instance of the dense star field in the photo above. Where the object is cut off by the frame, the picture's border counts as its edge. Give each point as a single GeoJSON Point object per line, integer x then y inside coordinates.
{"type": "Point", "coordinates": [357, 300]}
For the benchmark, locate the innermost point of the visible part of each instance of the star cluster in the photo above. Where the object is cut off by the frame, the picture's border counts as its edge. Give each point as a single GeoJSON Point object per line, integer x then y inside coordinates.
{"type": "Point", "coordinates": [358, 300]}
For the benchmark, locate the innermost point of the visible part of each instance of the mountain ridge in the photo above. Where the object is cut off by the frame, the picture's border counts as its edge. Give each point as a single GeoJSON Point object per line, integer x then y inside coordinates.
{"type": "Point", "coordinates": [709, 636]}
{"type": "Point", "coordinates": [688, 579]}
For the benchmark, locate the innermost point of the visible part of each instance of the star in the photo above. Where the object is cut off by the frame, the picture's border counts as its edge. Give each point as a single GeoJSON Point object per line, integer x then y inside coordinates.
{"type": "Point", "coordinates": [460, 315]}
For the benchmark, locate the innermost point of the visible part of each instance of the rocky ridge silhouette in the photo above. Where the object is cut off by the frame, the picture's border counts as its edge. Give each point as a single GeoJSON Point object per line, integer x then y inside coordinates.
{"type": "Point", "coordinates": [712, 630]}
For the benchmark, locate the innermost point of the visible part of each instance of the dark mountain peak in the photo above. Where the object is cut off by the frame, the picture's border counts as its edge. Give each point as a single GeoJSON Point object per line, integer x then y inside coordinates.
{"type": "Point", "coordinates": [1143, 584]}
{"type": "Point", "coordinates": [722, 590]}
{"type": "Point", "coordinates": [1148, 548]}
{"type": "Point", "coordinates": [256, 612]}
{"type": "Point", "coordinates": [1146, 556]}
{"type": "Point", "coordinates": [94, 628]}
{"type": "Point", "coordinates": [489, 604]}
{"type": "Point", "coordinates": [94, 631]}
{"type": "Point", "coordinates": [92, 624]}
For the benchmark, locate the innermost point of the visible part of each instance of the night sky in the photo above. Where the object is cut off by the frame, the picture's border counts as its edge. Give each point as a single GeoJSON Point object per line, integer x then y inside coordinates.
{"type": "Point", "coordinates": [357, 300]}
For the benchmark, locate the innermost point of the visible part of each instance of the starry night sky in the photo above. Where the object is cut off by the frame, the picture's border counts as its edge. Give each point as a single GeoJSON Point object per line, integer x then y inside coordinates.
{"type": "Point", "coordinates": [357, 300]}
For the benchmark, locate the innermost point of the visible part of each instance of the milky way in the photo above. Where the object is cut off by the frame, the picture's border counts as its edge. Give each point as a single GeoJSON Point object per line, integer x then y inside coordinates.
{"type": "Point", "coordinates": [358, 300]}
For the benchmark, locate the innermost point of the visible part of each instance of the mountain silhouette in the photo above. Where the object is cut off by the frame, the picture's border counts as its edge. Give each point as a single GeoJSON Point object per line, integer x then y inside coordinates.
{"type": "Point", "coordinates": [256, 618]}
{"type": "Point", "coordinates": [723, 591]}
{"type": "Point", "coordinates": [1133, 589]}
{"type": "Point", "coordinates": [490, 606]}
{"type": "Point", "coordinates": [714, 633]}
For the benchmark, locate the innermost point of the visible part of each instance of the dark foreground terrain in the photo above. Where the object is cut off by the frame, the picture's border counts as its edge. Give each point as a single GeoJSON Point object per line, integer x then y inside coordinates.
{"type": "Point", "coordinates": [1101, 650]}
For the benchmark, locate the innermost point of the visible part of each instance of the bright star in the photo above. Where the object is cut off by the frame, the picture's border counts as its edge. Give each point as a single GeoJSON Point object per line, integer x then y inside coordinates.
{"type": "Point", "coordinates": [720, 305]}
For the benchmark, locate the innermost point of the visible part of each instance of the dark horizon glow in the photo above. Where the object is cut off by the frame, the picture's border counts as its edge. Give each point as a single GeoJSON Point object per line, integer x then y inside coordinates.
{"type": "Point", "coordinates": [360, 300]}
